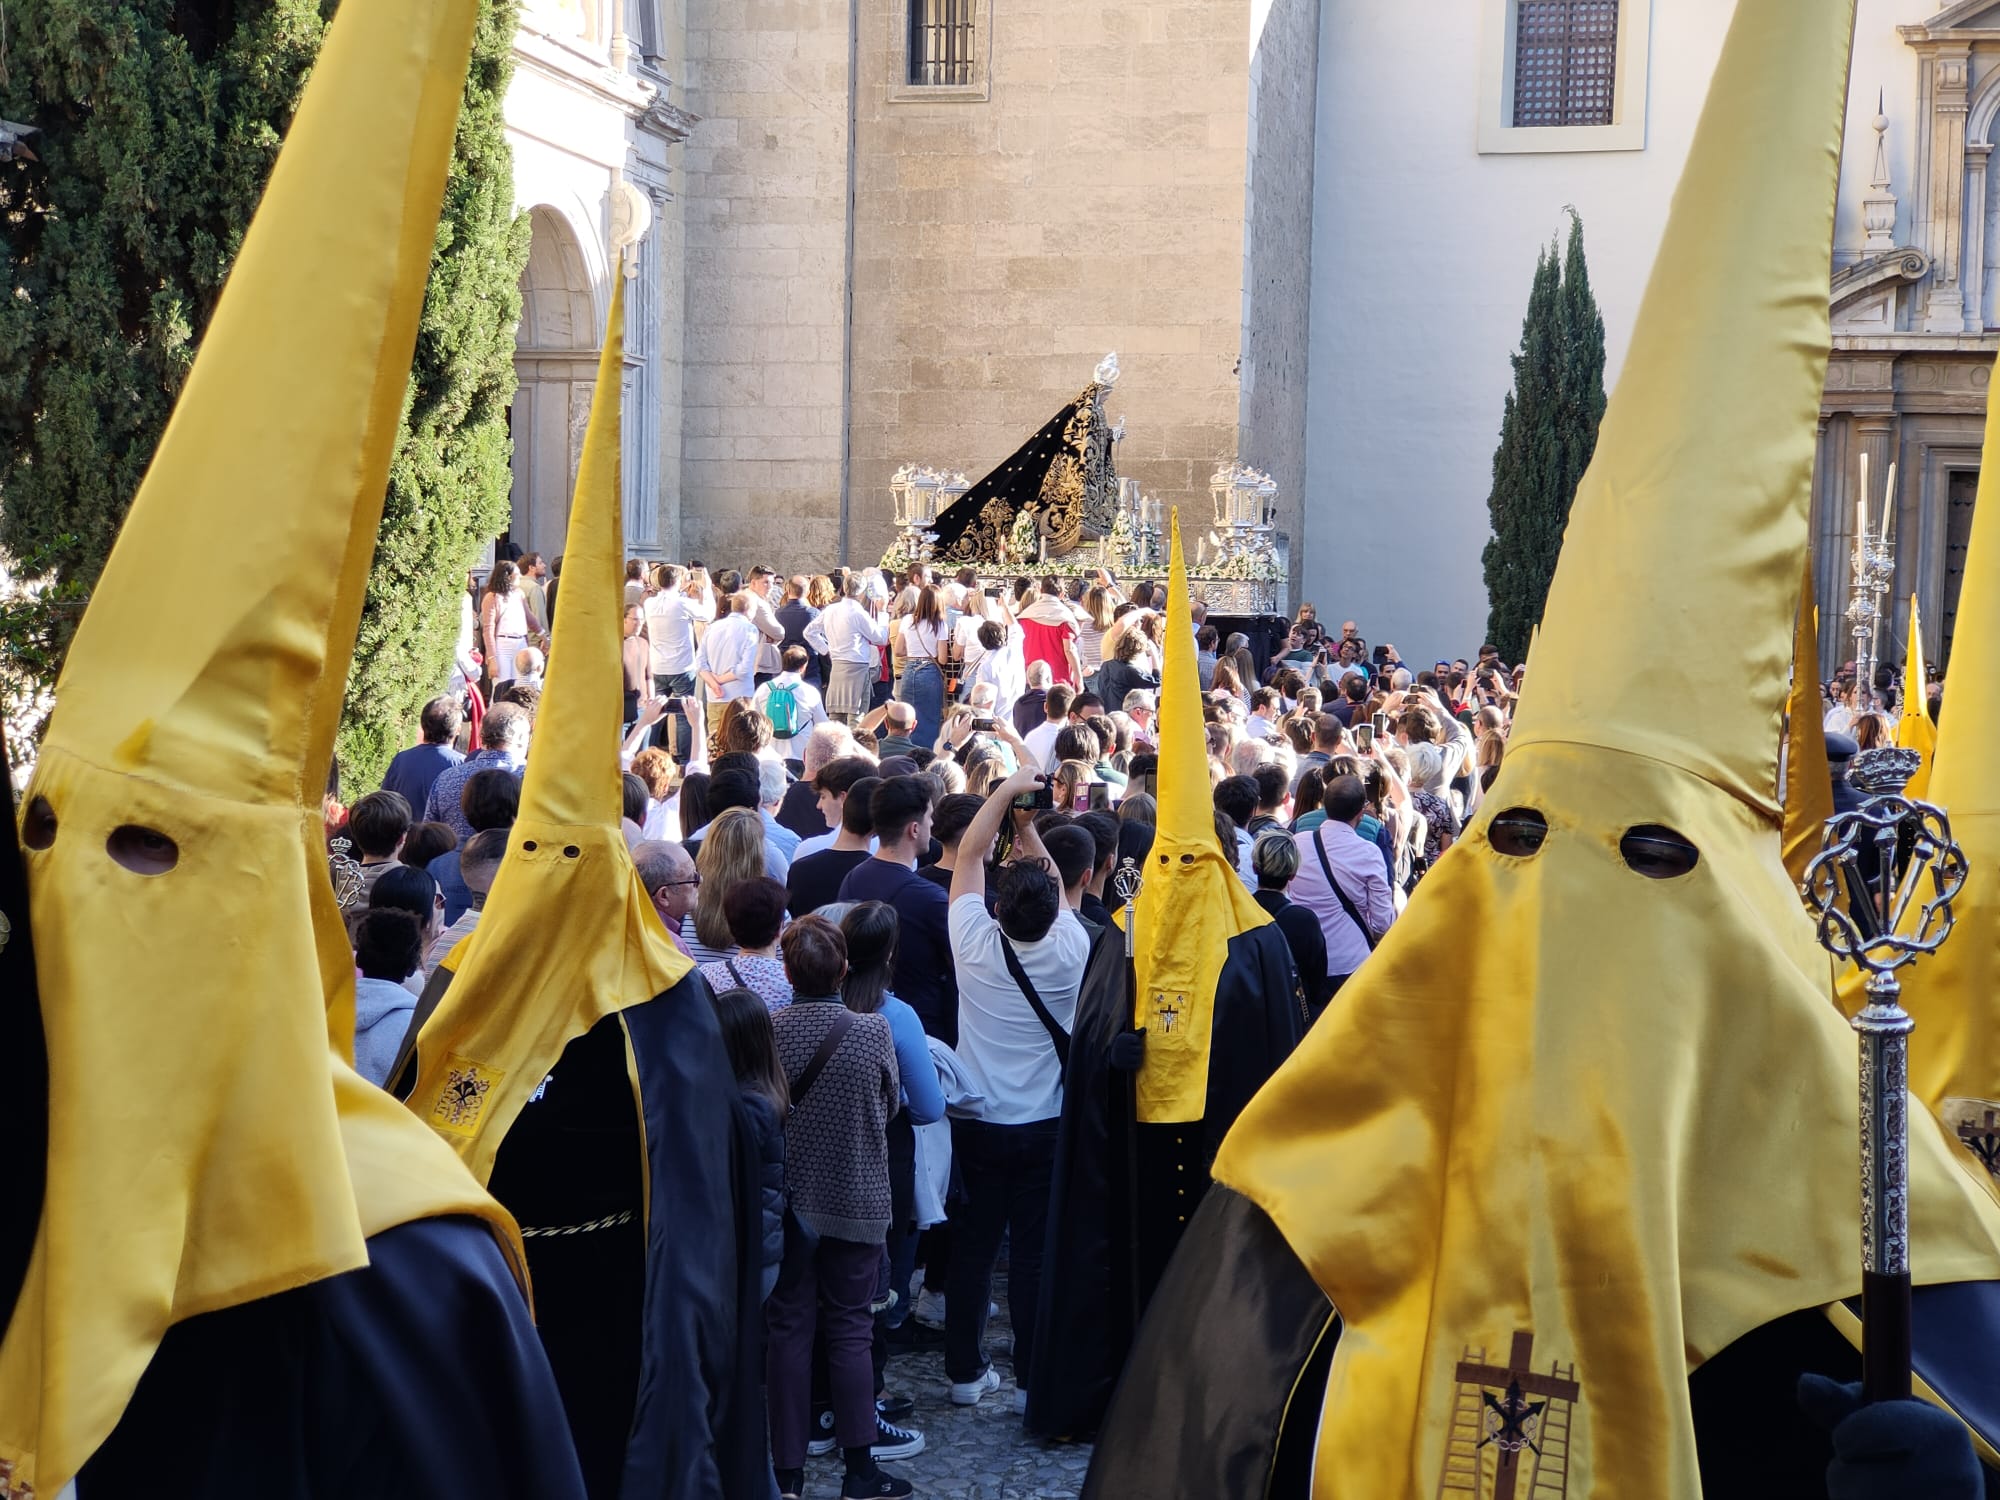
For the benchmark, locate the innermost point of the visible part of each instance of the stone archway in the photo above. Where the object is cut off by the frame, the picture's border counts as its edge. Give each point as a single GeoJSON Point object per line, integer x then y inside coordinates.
{"type": "Point", "coordinates": [555, 358]}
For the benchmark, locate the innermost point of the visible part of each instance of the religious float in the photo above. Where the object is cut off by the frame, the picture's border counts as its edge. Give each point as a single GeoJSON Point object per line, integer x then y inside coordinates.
{"type": "Point", "coordinates": [1056, 505]}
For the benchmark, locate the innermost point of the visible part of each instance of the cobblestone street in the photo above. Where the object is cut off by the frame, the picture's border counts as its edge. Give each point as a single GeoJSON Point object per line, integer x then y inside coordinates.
{"type": "Point", "coordinates": [970, 1453]}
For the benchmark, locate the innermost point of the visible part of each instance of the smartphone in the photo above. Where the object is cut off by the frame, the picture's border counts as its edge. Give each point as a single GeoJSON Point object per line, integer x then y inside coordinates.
{"type": "Point", "coordinates": [986, 724]}
{"type": "Point", "coordinates": [1381, 723]}
{"type": "Point", "coordinates": [1364, 737]}
{"type": "Point", "coordinates": [1041, 799]}
{"type": "Point", "coordinates": [992, 591]}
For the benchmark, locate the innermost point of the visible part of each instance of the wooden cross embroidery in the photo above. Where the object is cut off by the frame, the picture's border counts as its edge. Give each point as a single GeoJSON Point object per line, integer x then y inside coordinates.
{"type": "Point", "coordinates": [1983, 1137]}
{"type": "Point", "coordinates": [1513, 1411]}
{"type": "Point", "coordinates": [1168, 1009]}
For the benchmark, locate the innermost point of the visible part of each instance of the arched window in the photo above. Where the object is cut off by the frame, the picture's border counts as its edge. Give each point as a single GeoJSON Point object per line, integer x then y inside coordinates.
{"type": "Point", "coordinates": [1565, 62]}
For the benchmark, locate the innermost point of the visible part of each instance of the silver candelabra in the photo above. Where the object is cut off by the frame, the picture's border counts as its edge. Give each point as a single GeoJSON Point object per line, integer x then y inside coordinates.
{"type": "Point", "coordinates": [1874, 570]}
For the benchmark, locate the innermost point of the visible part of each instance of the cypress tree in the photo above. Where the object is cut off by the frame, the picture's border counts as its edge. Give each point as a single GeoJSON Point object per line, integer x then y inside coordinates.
{"type": "Point", "coordinates": [448, 489]}
{"type": "Point", "coordinates": [1548, 432]}
{"type": "Point", "coordinates": [159, 122]}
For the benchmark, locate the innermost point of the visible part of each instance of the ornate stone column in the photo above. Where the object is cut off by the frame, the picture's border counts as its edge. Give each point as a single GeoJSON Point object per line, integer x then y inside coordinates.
{"type": "Point", "coordinates": [1977, 155]}
{"type": "Point", "coordinates": [1948, 66]}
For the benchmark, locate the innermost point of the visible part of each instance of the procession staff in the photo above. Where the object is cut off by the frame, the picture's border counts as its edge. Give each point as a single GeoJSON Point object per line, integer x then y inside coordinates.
{"type": "Point", "coordinates": [576, 1064]}
{"type": "Point", "coordinates": [1573, 1154]}
{"type": "Point", "coordinates": [253, 1273]}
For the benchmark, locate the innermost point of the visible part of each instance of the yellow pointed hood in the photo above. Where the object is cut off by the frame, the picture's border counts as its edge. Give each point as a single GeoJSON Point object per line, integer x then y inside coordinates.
{"type": "Point", "coordinates": [206, 1148]}
{"type": "Point", "coordinates": [1914, 730]}
{"type": "Point", "coordinates": [569, 935]}
{"type": "Point", "coordinates": [1808, 776]}
{"type": "Point", "coordinates": [1955, 995]}
{"type": "Point", "coordinates": [1585, 1104]}
{"type": "Point", "coordinates": [1192, 901]}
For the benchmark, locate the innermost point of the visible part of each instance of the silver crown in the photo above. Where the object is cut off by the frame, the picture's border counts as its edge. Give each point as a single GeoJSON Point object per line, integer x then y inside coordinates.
{"type": "Point", "coordinates": [1127, 881]}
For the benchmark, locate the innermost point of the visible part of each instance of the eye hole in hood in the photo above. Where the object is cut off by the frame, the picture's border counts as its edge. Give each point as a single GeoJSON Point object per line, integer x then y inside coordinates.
{"type": "Point", "coordinates": [143, 851]}
{"type": "Point", "coordinates": [1657, 852]}
{"type": "Point", "coordinates": [38, 824]}
{"type": "Point", "coordinates": [1519, 832]}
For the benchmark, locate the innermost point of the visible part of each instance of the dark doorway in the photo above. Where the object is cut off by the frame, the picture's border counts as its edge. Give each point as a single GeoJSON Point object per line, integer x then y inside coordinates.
{"type": "Point", "coordinates": [1962, 487]}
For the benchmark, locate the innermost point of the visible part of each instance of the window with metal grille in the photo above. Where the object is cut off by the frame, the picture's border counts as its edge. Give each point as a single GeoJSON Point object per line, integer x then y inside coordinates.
{"type": "Point", "coordinates": [941, 41]}
{"type": "Point", "coordinates": [1565, 62]}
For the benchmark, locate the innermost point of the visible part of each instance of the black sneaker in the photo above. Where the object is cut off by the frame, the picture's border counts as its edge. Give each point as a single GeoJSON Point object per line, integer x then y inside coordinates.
{"type": "Point", "coordinates": [892, 1441]}
{"type": "Point", "coordinates": [893, 1408]}
{"type": "Point", "coordinates": [875, 1486]}
{"type": "Point", "coordinates": [822, 1442]}
{"type": "Point", "coordinates": [912, 1337]}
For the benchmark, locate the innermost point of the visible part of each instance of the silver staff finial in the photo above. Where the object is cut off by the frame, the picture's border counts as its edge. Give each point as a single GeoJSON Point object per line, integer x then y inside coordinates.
{"type": "Point", "coordinates": [1880, 891]}
{"type": "Point", "coordinates": [1126, 885]}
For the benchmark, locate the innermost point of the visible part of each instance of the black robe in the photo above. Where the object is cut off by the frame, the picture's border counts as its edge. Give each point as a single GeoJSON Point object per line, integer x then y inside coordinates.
{"type": "Point", "coordinates": [415, 1377]}
{"type": "Point", "coordinates": [1113, 1256]}
{"type": "Point", "coordinates": [1223, 1392]}
{"type": "Point", "coordinates": [644, 1250]}
{"type": "Point", "coordinates": [24, 1101]}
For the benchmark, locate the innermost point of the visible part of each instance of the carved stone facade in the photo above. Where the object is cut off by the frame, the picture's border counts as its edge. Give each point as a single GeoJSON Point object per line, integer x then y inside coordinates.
{"type": "Point", "coordinates": [590, 125]}
{"type": "Point", "coordinates": [1916, 322]}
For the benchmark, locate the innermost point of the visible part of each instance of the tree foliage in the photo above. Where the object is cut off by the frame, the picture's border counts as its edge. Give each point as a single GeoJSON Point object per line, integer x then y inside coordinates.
{"type": "Point", "coordinates": [1548, 432]}
{"type": "Point", "coordinates": [159, 121]}
{"type": "Point", "coordinates": [449, 486]}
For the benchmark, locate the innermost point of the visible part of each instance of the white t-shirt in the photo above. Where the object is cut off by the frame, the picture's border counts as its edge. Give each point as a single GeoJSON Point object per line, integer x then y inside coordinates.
{"type": "Point", "coordinates": [965, 635]}
{"type": "Point", "coordinates": [670, 622]}
{"type": "Point", "coordinates": [1001, 1042]}
{"type": "Point", "coordinates": [921, 642]}
{"type": "Point", "coordinates": [1041, 743]}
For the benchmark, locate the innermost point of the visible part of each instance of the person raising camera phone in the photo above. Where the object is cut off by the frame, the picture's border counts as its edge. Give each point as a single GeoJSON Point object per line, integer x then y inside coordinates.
{"type": "Point", "coordinates": [1018, 974]}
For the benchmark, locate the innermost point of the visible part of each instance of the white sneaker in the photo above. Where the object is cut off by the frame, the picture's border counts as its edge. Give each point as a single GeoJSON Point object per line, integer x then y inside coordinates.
{"type": "Point", "coordinates": [968, 1392]}
{"type": "Point", "coordinates": [929, 1309]}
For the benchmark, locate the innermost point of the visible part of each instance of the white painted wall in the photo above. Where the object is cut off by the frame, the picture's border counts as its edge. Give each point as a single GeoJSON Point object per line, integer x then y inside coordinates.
{"type": "Point", "coordinates": [1423, 254]}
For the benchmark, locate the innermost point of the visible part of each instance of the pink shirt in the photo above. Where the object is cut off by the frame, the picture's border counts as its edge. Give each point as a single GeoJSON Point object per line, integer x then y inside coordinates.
{"type": "Point", "coordinates": [1357, 865]}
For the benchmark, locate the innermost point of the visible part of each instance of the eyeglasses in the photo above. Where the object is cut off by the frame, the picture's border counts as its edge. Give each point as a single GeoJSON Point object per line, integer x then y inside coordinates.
{"type": "Point", "coordinates": [694, 880]}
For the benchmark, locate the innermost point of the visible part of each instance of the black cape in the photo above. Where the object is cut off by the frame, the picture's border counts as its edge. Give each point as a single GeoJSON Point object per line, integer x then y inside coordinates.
{"type": "Point", "coordinates": [1064, 476]}
{"type": "Point", "coordinates": [1113, 1253]}
{"type": "Point", "coordinates": [645, 1252]}
{"type": "Point", "coordinates": [1223, 1392]}
{"type": "Point", "coordinates": [415, 1377]}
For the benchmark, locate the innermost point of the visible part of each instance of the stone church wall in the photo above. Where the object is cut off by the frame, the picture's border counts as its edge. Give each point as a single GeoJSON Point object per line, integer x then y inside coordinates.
{"type": "Point", "coordinates": [763, 196]}
{"type": "Point", "coordinates": [1093, 202]}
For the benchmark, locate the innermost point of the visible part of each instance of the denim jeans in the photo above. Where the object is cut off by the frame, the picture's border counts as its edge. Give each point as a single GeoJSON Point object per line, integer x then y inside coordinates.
{"type": "Point", "coordinates": [922, 687]}
{"type": "Point", "coordinates": [1005, 1170]}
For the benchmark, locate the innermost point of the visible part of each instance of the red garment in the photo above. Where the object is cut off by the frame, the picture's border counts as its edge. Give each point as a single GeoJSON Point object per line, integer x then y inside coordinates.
{"type": "Point", "coordinates": [1044, 642]}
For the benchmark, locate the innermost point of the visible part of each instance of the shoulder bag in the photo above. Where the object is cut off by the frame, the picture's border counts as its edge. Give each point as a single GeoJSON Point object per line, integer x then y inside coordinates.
{"type": "Point", "coordinates": [1058, 1038]}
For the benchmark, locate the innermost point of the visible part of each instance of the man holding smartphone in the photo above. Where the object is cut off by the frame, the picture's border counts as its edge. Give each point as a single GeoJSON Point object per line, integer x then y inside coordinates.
{"type": "Point", "coordinates": [1019, 970]}
{"type": "Point", "coordinates": [682, 603]}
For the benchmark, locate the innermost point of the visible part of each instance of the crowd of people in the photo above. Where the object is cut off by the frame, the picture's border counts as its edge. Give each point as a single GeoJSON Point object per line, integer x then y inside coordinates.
{"type": "Point", "coordinates": [884, 816]}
